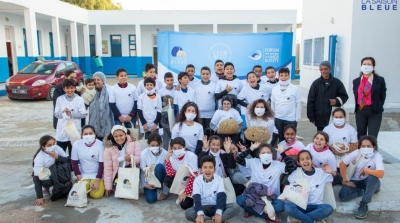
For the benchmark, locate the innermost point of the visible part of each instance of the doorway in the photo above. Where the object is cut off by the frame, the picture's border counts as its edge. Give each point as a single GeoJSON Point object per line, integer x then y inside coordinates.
{"type": "Point", "coordinates": [12, 60]}
{"type": "Point", "coordinates": [9, 56]}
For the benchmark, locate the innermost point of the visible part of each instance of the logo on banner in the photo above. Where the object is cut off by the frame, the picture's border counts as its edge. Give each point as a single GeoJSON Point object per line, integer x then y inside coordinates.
{"type": "Point", "coordinates": [178, 55]}
{"type": "Point", "coordinates": [220, 51]}
{"type": "Point", "coordinates": [256, 55]}
{"type": "Point", "coordinates": [378, 5]}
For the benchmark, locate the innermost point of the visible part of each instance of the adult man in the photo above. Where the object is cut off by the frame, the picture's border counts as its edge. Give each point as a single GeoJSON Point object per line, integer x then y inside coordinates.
{"type": "Point", "coordinates": [219, 71]}
{"type": "Point", "coordinates": [325, 92]}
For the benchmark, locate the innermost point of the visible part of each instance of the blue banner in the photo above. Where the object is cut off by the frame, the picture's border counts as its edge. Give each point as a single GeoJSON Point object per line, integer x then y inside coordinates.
{"type": "Point", "coordinates": [178, 49]}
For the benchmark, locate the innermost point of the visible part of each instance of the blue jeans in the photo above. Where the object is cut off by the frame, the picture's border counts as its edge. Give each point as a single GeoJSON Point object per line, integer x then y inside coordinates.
{"type": "Point", "coordinates": [277, 204]}
{"type": "Point", "coordinates": [151, 195]}
{"type": "Point", "coordinates": [312, 213]}
{"type": "Point", "coordinates": [126, 124]}
{"type": "Point", "coordinates": [370, 184]}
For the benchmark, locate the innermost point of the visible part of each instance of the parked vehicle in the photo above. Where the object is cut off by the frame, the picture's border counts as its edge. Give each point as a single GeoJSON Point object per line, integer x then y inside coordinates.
{"type": "Point", "coordinates": [39, 79]}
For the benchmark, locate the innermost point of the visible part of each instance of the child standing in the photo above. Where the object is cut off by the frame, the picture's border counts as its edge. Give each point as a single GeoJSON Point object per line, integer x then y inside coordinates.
{"type": "Point", "coordinates": [209, 196]}
{"type": "Point", "coordinates": [150, 71]}
{"type": "Point", "coordinates": [123, 100]}
{"type": "Point", "coordinates": [252, 91]}
{"type": "Point", "coordinates": [168, 89]}
{"type": "Point", "coordinates": [185, 94]}
{"type": "Point", "coordinates": [257, 69]}
{"type": "Point", "coordinates": [192, 79]}
{"type": "Point", "coordinates": [149, 108]}
{"type": "Point", "coordinates": [219, 71]}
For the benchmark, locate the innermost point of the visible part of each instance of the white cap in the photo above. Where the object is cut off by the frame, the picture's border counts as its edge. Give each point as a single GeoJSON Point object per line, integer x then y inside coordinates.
{"type": "Point", "coordinates": [118, 127]}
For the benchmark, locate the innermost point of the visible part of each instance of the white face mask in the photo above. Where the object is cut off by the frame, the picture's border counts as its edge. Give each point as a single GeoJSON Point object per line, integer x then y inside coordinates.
{"type": "Point", "coordinates": [151, 92]}
{"type": "Point", "coordinates": [50, 149]}
{"type": "Point", "coordinates": [338, 121]}
{"type": "Point", "coordinates": [266, 158]}
{"type": "Point", "coordinates": [259, 111]}
{"type": "Point", "coordinates": [367, 152]}
{"type": "Point", "coordinates": [89, 139]}
{"type": "Point", "coordinates": [190, 116]}
{"type": "Point", "coordinates": [284, 83]}
{"type": "Point", "coordinates": [367, 69]}
{"type": "Point", "coordinates": [154, 149]}
{"type": "Point", "coordinates": [215, 154]}
{"type": "Point", "coordinates": [179, 153]}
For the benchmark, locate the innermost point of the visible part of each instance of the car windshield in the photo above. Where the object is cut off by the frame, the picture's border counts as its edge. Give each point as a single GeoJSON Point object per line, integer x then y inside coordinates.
{"type": "Point", "coordinates": [39, 68]}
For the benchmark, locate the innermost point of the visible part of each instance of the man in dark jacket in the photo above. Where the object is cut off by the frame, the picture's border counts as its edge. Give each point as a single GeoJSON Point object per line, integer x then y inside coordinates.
{"type": "Point", "coordinates": [325, 92]}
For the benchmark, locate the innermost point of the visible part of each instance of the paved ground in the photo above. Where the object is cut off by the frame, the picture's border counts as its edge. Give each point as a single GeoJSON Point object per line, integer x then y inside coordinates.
{"type": "Point", "coordinates": [24, 122]}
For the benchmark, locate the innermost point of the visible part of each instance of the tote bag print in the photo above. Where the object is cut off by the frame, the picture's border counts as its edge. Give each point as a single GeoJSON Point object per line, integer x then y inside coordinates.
{"type": "Point", "coordinates": [181, 178]}
{"type": "Point", "coordinates": [128, 181]}
{"type": "Point", "coordinates": [77, 196]}
{"type": "Point", "coordinates": [297, 192]}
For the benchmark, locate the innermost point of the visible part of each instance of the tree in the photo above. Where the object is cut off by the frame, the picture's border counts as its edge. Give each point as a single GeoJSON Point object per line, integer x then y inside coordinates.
{"type": "Point", "coordinates": [95, 4]}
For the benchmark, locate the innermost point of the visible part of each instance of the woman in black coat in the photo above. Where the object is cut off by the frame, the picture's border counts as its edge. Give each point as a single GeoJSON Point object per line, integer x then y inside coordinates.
{"type": "Point", "coordinates": [369, 94]}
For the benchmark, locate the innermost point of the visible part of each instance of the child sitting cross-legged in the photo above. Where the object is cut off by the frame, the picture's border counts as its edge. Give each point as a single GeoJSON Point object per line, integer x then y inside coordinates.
{"type": "Point", "coordinates": [209, 196]}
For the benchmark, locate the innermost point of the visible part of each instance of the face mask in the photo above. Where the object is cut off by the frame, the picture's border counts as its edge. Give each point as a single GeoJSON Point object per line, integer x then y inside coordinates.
{"type": "Point", "coordinates": [215, 154]}
{"type": "Point", "coordinates": [338, 121]}
{"type": "Point", "coordinates": [284, 83]}
{"type": "Point", "coordinates": [190, 116]}
{"type": "Point", "coordinates": [154, 149]}
{"type": "Point", "coordinates": [259, 111]}
{"type": "Point", "coordinates": [366, 69]}
{"type": "Point", "coordinates": [367, 152]}
{"type": "Point", "coordinates": [89, 139]}
{"type": "Point", "coordinates": [266, 158]}
{"type": "Point", "coordinates": [50, 149]}
{"type": "Point", "coordinates": [150, 92]}
{"type": "Point", "coordinates": [179, 153]}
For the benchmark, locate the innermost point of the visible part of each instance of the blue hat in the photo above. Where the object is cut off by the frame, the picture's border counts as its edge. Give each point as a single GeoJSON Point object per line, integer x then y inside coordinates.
{"type": "Point", "coordinates": [101, 75]}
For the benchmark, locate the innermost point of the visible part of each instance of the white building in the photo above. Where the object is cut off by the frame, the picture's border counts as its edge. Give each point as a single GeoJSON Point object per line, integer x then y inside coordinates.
{"type": "Point", "coordinates": [363, 28]}
{"type": "Point", "coordinates": [57, 30]}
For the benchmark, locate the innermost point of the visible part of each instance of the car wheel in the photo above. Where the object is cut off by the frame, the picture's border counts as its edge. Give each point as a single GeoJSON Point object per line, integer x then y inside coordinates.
{"type": "Point", "coordinates": [51, 93]}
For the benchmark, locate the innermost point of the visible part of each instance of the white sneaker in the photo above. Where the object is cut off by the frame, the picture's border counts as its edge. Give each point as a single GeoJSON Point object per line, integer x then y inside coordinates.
{"type": "Point", "coordinates": [292, 220]}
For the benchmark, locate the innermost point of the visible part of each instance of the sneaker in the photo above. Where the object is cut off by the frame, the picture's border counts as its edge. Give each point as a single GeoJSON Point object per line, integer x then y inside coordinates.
{"type": "Point", "coordinates": [46, 190]}
{"type": "Point", "coordinates": [292, 220]}
{"type": "Point", "coordinates": [377, 191]}
{"type": "Point", "coordinates": [362, 211]}
{"type": "Point", "coordinates": [267, 219]}
{"type": "Point", "coordinates": [247, 214]}
{"type": "Point", "coordinates": [361, 193]}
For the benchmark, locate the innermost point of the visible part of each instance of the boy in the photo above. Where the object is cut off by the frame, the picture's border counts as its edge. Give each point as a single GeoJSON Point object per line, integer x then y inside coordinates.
{"type": "Point", "coordinates": [150, 71]}
{"type": "Point", "coordinates": [68, 106]}
{"type": "Point", "coordinates": [270, 79]}
{"type": "Point", "coordinates": [192, 79]}
{"type": "Point", "coordinates": [285, 102]}
{"type": "Point", "coordinates": [123, 99]}
{"type": "Point", "coordinates": [169, 87]}
{"type": "Point", "coordinates": [219, 71]}
{"type": "Point", "coordinates": [209, 196]}
{"type": "Point", "coordinates": [185, 93]}
{"type": "Point", "coordinates": [89, 92]}
{"type": "Point", "coordinates": [149, 108]}
{"type": "Point", "coordinates": [257, 69]}
{"type": "Point", "coordinates": [205, 98]}
{"type": "Point", "coordinates": [164, 122]}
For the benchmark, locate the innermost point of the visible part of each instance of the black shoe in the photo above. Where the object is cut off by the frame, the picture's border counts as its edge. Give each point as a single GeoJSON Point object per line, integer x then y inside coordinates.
{"type": "Point", "coordinates": [377, 191]}
{"type": "Point", "coordinates": [362, 211]}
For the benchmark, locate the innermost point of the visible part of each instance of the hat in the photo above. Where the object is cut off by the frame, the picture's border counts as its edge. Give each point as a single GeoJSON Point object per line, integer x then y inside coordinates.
{"type": "Point", "coordinates": [325, 63]}
{"type": "Point", "coordinates": [118, 127]}
{"type": "Point", "coordinates": [101, 75]}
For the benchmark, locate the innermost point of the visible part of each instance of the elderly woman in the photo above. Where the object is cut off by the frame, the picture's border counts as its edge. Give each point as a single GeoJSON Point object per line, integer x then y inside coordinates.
{"type": "Point", "coordinates": [100, 115]}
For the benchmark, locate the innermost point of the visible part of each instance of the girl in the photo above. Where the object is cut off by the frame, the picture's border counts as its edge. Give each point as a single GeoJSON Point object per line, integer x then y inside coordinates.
{"type": "Point", "coordinates": [291, 145]}
{"type": "Point", "coordinates": [150, 71]}
{"type": "Point", "coordinates": [89, 153]}
{"type": "Point", "coordinates": [119, 145]}
{"type": "Point", "coordinates": [252, 91]}
{"type": "Point", "coordinates": [188, 127]}
{"type": "Point", "coordinates": [46, 156]}
{"type": "Point", "coordinates": [261, 114]}
{"type": "Point", "coordinates": [177, 155]}
{"type": "Point", "coordinates": [227, 113]}
{"type": "Point", "coordinates": [241, 174]}
{"type": "Point", "coordinates": [267, 172]}
{"type": "Point", "coordinates": [366, 179]}
{"type": "Point", "coordinates": [153, 155]}
{"type": "Point", "coordinates": [317, 177]}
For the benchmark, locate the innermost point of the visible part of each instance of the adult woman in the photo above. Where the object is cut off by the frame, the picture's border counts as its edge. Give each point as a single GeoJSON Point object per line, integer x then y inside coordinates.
{"type": "Point", "coordinates": [88, 151]}
{"type": "Point", "coordinates": [188, 127]}
{"type": "Point", "coordinates": [119, 145]}
{"type": "Point", "coordinates": [100, 115]}
{"type": "Point", "coordinates": [366, 178]}
{"type": "Point", "coordinates": [369, 94]}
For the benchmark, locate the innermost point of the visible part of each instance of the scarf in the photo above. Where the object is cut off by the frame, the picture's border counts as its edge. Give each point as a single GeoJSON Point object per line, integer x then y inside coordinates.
{"type": "Point", "coordinates": [101, 116]}
{"type": "Point", "coordinates": [364, 93]}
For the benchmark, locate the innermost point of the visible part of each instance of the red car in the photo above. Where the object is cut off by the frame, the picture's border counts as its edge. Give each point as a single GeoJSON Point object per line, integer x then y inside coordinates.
{"type": "Point", "coordinates": [39, 79]}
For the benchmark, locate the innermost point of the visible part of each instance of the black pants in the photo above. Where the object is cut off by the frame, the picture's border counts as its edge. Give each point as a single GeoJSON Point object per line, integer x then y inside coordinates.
{"type": "Point", "coordinates": [188, 202]}
{"type": "Point", "coordinates": [205, 122]}
{"type": "Point", "coordinates": [320, 129]}
{"type": "Point", "coordinates": [65, 145]}
{"type": "Point", "coordinates": [368, 122]}
{"type": "Point", "coordinates": [280, 125]}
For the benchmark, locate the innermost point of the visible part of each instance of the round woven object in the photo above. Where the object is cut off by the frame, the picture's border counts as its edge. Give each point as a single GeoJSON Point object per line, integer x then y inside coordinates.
{"type": "Point", "coordinates": [228, 127]}
{"type": "Point", "coordinates": [257, 134]}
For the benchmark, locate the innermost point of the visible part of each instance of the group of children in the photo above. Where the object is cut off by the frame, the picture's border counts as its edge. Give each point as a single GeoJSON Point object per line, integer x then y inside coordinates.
{"type": "Point", "coordinates": [204, 139]}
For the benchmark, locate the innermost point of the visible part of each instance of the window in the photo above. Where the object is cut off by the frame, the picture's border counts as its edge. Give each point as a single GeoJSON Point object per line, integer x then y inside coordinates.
{"type": "Point", "coordinates": [61, 67]}
{"type": "Point", "coordinates": [38, 41]}
{"type": "Point", "coordinates": [307, 52]}
{"type": "Point", "coordinates": [318, 51]}
{"type": "Point", "coordinates": [116, 50]}
{"type": "Point", "coordinates": [132, 45]}
{"type": "Point", "coordinates": [51, 44]}
{"type": "Point", "coordinates": [92, 42]}
{"type": "Point", "coordinates": [71, 66]}
{"type": "Point", "coordinates": [25, 45]}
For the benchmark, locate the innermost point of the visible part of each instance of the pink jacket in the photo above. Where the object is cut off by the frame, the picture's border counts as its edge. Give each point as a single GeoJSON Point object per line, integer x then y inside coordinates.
{"type": "Point", "coordinates": [111, 155]}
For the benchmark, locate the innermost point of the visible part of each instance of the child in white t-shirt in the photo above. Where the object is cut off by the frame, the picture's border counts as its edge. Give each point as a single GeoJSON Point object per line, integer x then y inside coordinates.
{"type": "Point", "coordinates": [169, 88]}
{"type": "Point", "coordinates": [257, 70]}
{"type": "Point", "coordinates": [252, 91]}
{"type": "Point", "coordinates": [184, 94]}
{"type": "Point", "coordinates": [150, 71]}
{"type": "Point", "coordinates": [193, 81]}
{"type": "Point", "coordinates": [291, 145]}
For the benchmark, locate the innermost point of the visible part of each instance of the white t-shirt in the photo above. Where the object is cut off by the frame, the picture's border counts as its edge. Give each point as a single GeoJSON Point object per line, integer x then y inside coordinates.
{"type": "Point", "coordinates": [205, 99]}
{"type": "Point", "coordinates": [123, 98]}
{"type": "Point", "coordinates": [284, 103]}
{"type": "Point", "coordinates": [164, 91]}
{"type": "Point", "coordinates": [191, 134]}
{"type": "Point", "coordinates": [147, 158]}
{"type": "Point", "coordinates": [208, 190]}
{"type": "Point", "coordinates": [190, 160]}
{"type": "Point", "coordinates": [149, 108]}
{"type": "Point", "coordinates": [43, 159]}
{"type": "Point", "coordinates": [194, 82]}
{"type": "Point", "coordinates": [250, 94]}
{"type": "Point", "coordinates": [317, 183]}
{"type": "Point", "coordinates": [141, 89]}
{"type": "Point", "coordinates": [373, 163]}
{"type": "Point", "coordinates": [221, 115]}
{"type": "Point", "coordinates": [269, 177]}
{"type": "Point", "coordinates": [214, 78]}
{"type": "Point", "coordinates": [181, 98]}
{"type": "Point", "coordinates": [346, 135]}
{"type": "Point", "coordinates": [89, 157]}
{"type": "Point", "coordinates": [236, 84]}
{"type": "Point", "coordinates": [324, 157]}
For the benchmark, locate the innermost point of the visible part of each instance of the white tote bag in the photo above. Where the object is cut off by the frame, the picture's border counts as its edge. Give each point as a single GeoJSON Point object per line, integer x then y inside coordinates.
{"type": "Point", "coordinates": [71, 131]}
{"type": "Point", "coordinates": [329, 196]}
{"type": "Point", "coordinates": [297, 192]}
{"type": "Point", "coordinates": [351, 168]}
{"type": "Point", "coordinates": [181, 178]}
{"type": "Point", "coordinates": [128, 181]}
{"type": "Point", "coordinates": [150, 177]}
{"type": "Point", "coordinates": [77, 196]}
{"type": "Point", "coordinates": [171, 115]}
{"type": "Point", "coordinates": [229, 191]}
{"type": "Point", "coordinates": [268, 208]}
{"type": "Point", "coordinates": [342, 149]}
{"type": "Point", "coordinates": [44, 173]}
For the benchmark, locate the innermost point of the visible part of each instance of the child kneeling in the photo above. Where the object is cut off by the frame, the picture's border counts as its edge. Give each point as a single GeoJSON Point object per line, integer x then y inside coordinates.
{"type": "Point", "coordinates": [209, 196]}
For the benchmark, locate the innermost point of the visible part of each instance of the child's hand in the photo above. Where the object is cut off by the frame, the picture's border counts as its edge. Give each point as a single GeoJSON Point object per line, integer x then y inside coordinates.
{"type": "Point", "coordinates": [241, 147]}
{"type": "Point", "coordinates": [145, 128]}
{"type": "Point", "coordinates": [121, 119]}
{"type": "Point", "coordinates": [67, 111]}
{"type": "Point", "coordinates": [248, 107]}
{"type": "Point", "coordinates": [182, 197]}
{"type": "Point", "coordinates": [39, 202]}
{"type": "Point", "coordinates": [228, 88]}
{"type": "Point", "coordinates": [280, 149]}
{"type": "Point", "coordinates": [205, 143]}
{"type": "Point", "coordinates": [153, 128]}
{"type": "Point", "coordinates": [128, 118]}
{"type": "Point", "coordinates": [83, 91]}
{"type": "Point", "coordinates": [169, 154]}
{"type": "Point", "coordinates": [200, 219]}
{"type": "Point", "coordinates": [150, 186]}
{"type": "Point", "coordinates": [53, 154]}
{"type": "Point", "coordinates": [217, 218]}
{"type": "Point", "coordinates": [227, 144]}
{"type": "Point", "coordinates": [108, 193]}
{"type": "Point", "coordinates": [254, 145]}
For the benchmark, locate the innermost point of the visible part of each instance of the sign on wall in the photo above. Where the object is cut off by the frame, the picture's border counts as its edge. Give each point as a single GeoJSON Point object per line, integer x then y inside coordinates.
{"type": "Point", "coordinates": [178, 49]}
{"type": "Point", "coordinates": [104, 46]}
